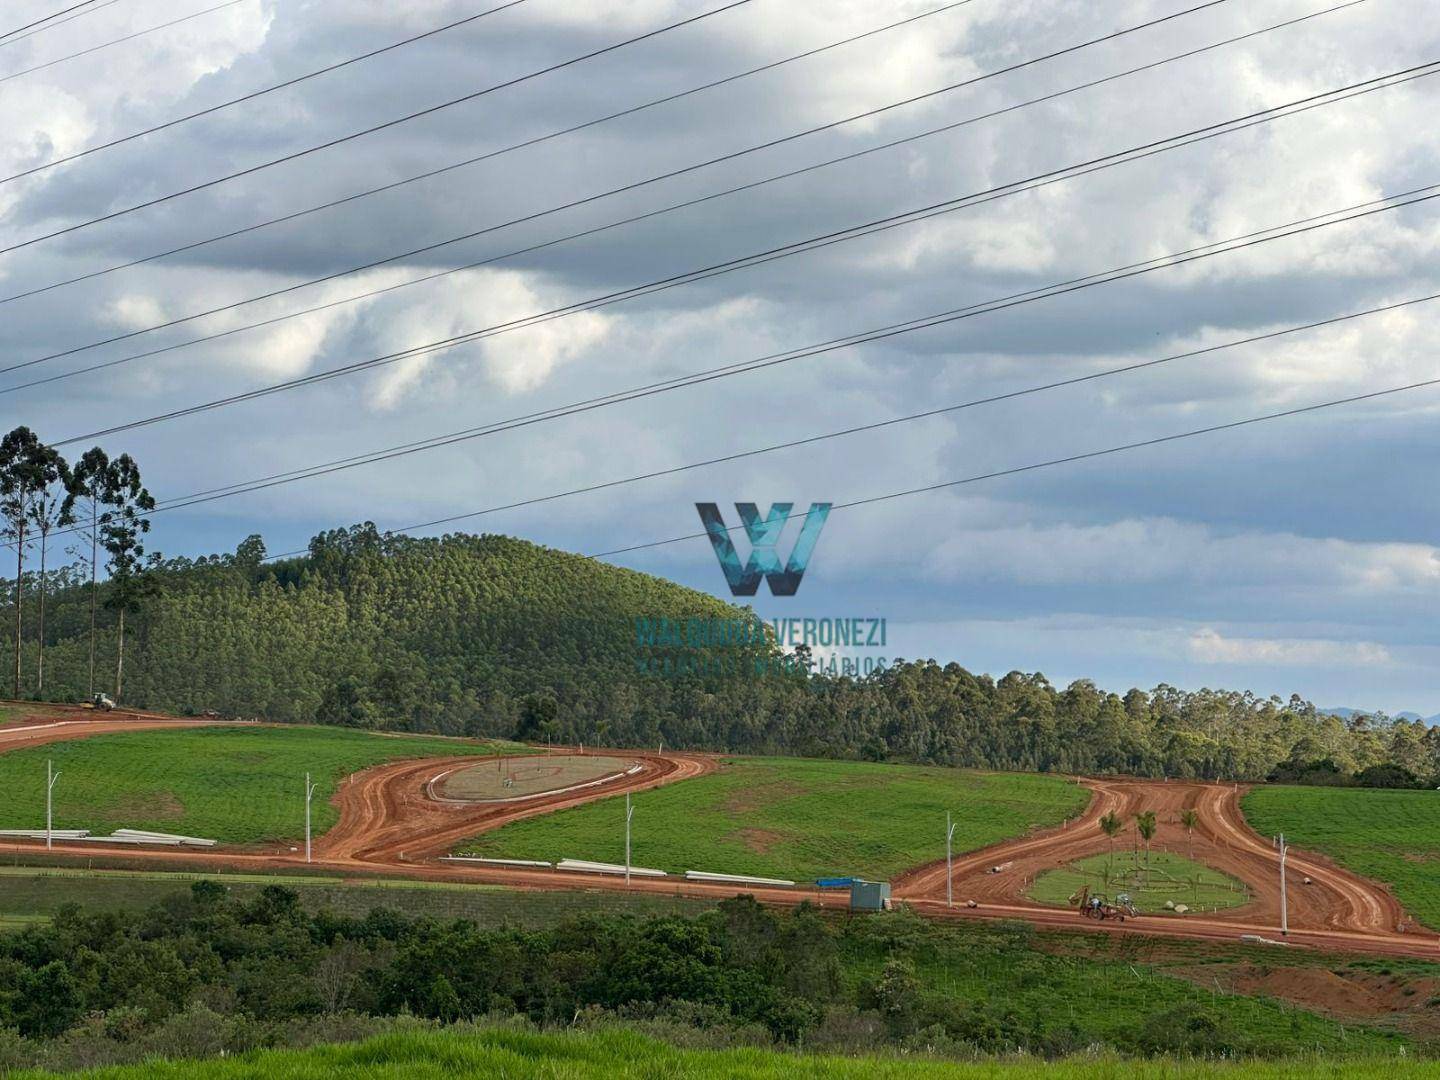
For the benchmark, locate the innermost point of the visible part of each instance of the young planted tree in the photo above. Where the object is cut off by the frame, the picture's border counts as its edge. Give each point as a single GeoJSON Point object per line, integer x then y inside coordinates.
{"type": "Point", "coordinates": [1190, 819]}
{"type": "Point", "coordinates": [1145, 825]}
{"type": "Point", "coordinates": [28, 469]}
{"type": "Point", "coordinates": [86, 504]}
{"type": "Point", "coordinates": [1111, 825]}
{"type": "Point", "coordinates": [122, 530]}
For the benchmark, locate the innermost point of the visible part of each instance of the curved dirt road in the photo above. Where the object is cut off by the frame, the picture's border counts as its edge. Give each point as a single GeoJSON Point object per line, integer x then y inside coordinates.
{"type": "Point", "coordinates": [388, 816]}
{"type": "Point", "coordinates": [1337, 908]}
{"type": "Point", "coordinates": [389, 825]}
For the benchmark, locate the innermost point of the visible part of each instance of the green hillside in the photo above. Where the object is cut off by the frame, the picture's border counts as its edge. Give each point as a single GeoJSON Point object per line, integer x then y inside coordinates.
{"type": "Point", "coordinates": [797, 819]}
{"type": "Point", "coordinates": [474, 635]}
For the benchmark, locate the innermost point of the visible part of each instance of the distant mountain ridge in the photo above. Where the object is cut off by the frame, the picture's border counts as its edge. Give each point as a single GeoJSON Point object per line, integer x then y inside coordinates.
{"type": "Point", "coordinates": [1345, 713]}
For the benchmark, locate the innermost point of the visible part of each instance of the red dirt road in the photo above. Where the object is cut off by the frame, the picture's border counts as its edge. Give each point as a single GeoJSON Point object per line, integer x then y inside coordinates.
{"type": "Point", "coordinates": [390, 826]}
{"type": "Point", "coordinates": [387, 815]}
{"type": "Point", "coordinates": [1337, 909]}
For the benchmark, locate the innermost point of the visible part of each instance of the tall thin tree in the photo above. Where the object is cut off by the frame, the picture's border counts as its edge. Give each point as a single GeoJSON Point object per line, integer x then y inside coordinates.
{"type": "Point", "coordinates": [1145, 826]}
{"type": "Point", "coordinates": [27, 468]}
{"type": "Point", "coordinates": [1190, 818]}
{"type": "Point", "coordinates": [1111, 825]}
{"type": "Point", "coordinates": [49, 509]}
{"type": "Point", "coordinates": [121, 533]}
{"type": "Point", "coordinates": [88, 485]}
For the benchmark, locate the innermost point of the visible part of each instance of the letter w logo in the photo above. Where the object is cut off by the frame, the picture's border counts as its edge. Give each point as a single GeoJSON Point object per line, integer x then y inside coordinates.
{"type": "Point", "coordinates": [764, 537]}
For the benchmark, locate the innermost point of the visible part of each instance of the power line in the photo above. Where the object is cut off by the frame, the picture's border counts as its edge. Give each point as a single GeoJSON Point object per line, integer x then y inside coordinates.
{"type": "Point", "coordinates": [881, 424]}
{"type": "Point", "coordinates": [1089, 455]}
{"type": "Point", "coordinates": [574, 204]}
{"type": "Point", "coordinates": [799, 247]}
{"type": "Point", "coordinates": [117, 41]}
{"type": "Point", "coordinates": [254, 94]}
{"type": "Point", "coordinates": [549, 244]}
{"type": "Point", "coordinates": [46, 19]}
{"type": "Point", "coordinates": [545, 245]}
{"type": "Point", "coordinates": [1289, 229]}
{"type": "Point", "coordinates": [338, 140]}
{"type": "Point", "coordinates": [488, 155]}
{"type": "Point", "coordinates": [1181, 258]}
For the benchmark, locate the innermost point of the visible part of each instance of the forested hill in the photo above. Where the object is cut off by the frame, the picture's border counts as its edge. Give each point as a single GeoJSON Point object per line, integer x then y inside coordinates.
{"type": "Point", "coordinates": [484, 635]}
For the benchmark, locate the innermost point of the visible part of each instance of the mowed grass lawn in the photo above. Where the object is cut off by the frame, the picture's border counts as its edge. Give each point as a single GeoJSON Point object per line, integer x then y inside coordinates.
{"type": "Point", "coordinates": [798, 819]}
{"type": "Point", "coordinates": [235, 784]}
{"type": "Point", "coordinates": [1164, 876]}
{"type": "Point", "coordinates": [521, 1055]}
{"type": "Point", "coordinates": [1391, 836]}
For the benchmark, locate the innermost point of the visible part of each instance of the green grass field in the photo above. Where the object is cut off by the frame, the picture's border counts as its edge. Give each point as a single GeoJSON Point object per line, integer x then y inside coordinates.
{"type": "Point", "coordinates": [1163, 877]}
{"type": "Point", "coordinates": [522, 1055]}
{"type": "Point", "coordinates": [1391, 836]}
{"type": "Point", "coordinates": [237, 785]}
{"type": "Point", "coordinates": [795, 818]}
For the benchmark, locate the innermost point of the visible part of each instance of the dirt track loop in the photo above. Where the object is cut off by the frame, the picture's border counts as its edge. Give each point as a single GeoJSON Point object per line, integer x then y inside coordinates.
{"type": "Point", "coordinates": [390, 825]}
{"type": "Point", "coordinates": [1336, 908]}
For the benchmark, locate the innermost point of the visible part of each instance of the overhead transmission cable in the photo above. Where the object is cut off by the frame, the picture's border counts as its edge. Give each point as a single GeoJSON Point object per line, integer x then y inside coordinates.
{"type": "Point", "coordinates": [8, 35]}
{"type": "Point", "coordinates": [429, 110]}
{"type": "Point", "coordinates": [210, 110]}
{"type": "Point", "coordinates": [1071, 459]}
{"type": "Point", "coordinates": [1289, 229]}
{"type": "Point", "coordinates": [799, 247]}
{"type": "Point", "coordinates": [544, 245]}
{"type": "Point", "coordinates": [858, 429]}
{"type": "Point", "coordinates": [1182, 258]}
{"type": "Point", "coordinates": [488, 155]}
{"type": "Point", "coordinates": [120, 40]}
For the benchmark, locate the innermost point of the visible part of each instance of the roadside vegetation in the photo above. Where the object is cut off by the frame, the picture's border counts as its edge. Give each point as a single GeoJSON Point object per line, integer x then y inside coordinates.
{"type": "Point", "coordinates": [206, 973]}
{"type": "Point", "coordinates": [517, 1053]}
{"type": "Point", "coordinates": [1391, 836]}
{"type": "Point", "coordinates": [234, 784]}
{"type": "Point", "coordinates": [797, 819]}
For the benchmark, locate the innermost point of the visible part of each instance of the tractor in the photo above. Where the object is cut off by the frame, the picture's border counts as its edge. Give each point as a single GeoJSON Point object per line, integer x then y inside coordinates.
{"type": "Point", "coordinates": [1097, 906]}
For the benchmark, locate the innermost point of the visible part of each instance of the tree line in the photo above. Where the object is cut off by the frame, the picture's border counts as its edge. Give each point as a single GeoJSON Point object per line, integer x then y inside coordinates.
{"type": "Point", "coordinates": [97, 499]}
{"type": "Point", "coordinates": [492, 636]}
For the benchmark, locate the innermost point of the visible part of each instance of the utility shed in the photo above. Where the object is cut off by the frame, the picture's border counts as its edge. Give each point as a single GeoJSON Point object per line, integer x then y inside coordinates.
{"type": "Point", "coordinates": [869, 895]}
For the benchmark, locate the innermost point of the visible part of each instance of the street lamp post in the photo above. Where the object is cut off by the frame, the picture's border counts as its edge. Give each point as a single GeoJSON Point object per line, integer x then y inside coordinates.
{"type": "Point", "coordinates": [309, 792]}
{"type": "Point", "coordinates": [949, 872]}
{"type": "Point", "coordinates": [50, 777]}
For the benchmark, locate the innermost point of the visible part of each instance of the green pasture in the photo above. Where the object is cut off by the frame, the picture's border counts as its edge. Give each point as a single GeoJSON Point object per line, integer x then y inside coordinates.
{"type": "Point", "coordinates": [797, 818]}
{"type": "Point", "coordinates": [1391, 836]}
{"type": "Point", "coordinates": [1149, 882]}
{"type": "Point", "coordinates": [235, 784]}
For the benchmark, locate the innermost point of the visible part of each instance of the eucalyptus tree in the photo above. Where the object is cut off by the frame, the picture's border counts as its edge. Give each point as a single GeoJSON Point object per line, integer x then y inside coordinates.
{"type": "Point", "coordinates": [49, 510]}
{"type": "Point", "coordinates": [123, 526]}
{"type": "Point", "coordinates": [28, 470]}
{"type": "Point", "coordinates": [88, 484]}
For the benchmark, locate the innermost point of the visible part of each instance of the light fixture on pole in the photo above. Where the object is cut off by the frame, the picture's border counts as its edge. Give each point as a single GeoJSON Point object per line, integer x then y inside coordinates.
{"type": "Point", "coordinates": [949, 874]}
{"type": "Point", "coordinates": [629, 812]}
{"type": "Point", "coordinates": [1284, 913]}
{"type": "Point", "coordinates": [50, 777]}
{"type": "Point", "coordinates": [309, 791]}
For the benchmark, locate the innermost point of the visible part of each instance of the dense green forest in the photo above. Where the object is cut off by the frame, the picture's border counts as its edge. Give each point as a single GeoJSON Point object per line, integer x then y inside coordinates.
{"type": "Point", "coordinates": [487, 635]}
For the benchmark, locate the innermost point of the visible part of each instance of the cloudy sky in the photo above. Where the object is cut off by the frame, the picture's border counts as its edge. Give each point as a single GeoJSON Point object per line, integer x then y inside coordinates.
{"type": "Point", "coordinates": [1293, 556]}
